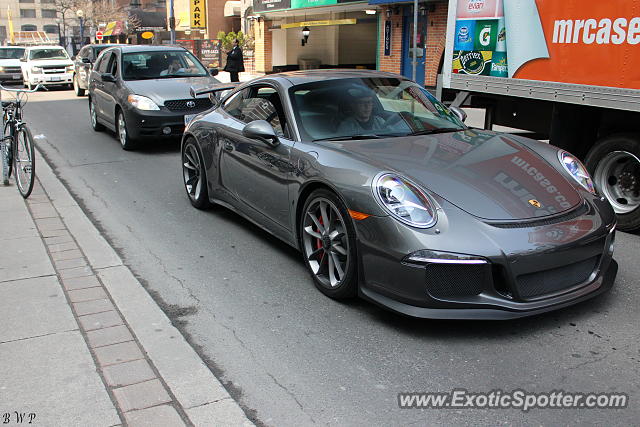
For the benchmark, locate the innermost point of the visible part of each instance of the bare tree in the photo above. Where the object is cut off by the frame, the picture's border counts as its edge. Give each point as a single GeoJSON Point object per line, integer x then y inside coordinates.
{"type": "Point", "coordinates": [65, 9]}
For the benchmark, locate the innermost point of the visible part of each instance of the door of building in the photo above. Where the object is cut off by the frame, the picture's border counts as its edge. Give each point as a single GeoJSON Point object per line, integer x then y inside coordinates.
{"type": "Point", "coordinates": [407, 46]}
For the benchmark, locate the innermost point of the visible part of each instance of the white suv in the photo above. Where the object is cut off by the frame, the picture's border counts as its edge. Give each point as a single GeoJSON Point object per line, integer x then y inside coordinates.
{"type": "Point", "coordinates": [46, 65]}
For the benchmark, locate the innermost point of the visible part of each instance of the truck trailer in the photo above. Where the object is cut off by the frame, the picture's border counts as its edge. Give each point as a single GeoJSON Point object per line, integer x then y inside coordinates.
{"type": "Point", "coordinates": [567, 71]}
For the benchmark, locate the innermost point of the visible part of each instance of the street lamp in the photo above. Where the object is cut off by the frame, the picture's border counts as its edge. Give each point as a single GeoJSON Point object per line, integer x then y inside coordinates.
{"type": "Point", "coordinates": [80, 15]}
{"type": "Point", "coordinates": [305, 34]}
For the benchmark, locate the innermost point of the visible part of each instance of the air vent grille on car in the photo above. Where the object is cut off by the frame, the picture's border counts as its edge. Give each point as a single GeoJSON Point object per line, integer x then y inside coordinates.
{"type": "Point", "coordinates": [455, 280]}
{"type": "Point", "coordinates": [551, 281]}
{"type": "Point", "coordinates": [188, 104]}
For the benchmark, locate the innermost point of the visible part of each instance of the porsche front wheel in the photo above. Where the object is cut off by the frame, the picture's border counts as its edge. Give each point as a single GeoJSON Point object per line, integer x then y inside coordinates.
{"type": "Point", "coordinates": [328, 244]}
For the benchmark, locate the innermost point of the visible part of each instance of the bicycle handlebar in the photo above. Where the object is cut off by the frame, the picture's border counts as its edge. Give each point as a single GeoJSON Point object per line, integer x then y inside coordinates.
{"type": "Point", "coordinates": [35, 89]}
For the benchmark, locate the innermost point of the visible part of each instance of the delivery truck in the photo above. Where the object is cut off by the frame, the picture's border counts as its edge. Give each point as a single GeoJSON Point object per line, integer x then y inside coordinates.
{"type": "Point", "coordinates": [567, 71]}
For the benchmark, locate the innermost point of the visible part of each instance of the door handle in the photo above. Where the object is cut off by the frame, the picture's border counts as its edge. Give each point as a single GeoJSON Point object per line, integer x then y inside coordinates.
{"type": "Point", "coordinates": [228, 145]}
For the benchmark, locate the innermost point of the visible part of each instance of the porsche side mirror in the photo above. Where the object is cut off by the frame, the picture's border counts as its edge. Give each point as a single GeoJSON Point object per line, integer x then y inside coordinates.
{"type": "Point", "coordinates": [262, 130]}
{"type": "Point", "coordinates": [459, 112]}
{"type": "Point", "coordinates": [213, 71]}
{"type": "Point", "coordinates": [106, 77]}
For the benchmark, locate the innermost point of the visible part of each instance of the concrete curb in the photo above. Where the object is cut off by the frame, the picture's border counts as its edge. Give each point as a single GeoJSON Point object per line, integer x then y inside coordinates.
{"type": "Point", "coordinates": [203, 398]}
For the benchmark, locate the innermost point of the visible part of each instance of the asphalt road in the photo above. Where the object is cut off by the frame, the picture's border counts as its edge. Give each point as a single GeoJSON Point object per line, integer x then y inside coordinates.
{"type": "Point", "coordinates": [294, 357]}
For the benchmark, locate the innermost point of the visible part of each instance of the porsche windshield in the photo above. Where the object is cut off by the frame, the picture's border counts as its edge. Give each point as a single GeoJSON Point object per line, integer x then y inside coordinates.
{"type": "Point", "coordinates": [161, 64]}
{"type": "Point", "coordinates": [368, 108]}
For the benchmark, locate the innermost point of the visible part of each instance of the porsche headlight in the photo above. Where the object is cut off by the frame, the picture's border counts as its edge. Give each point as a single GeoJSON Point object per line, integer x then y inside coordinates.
{"type": "Point", "coordinates": [577, 170]}
{"type": "Point", "coordinates": [404, 201]}
{"type": "Point", "coordinates": [142, 103]}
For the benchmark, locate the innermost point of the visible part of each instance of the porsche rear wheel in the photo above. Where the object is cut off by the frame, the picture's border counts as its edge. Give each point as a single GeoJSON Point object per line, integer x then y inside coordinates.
{"type": "Point", "coordinates": [194, 175]}
{"type": "Point", "coordinates": [327, 239]}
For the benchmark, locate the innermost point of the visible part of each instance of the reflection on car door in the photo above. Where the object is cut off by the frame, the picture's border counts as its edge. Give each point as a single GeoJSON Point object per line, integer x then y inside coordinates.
{"type": "Point", "coordinates": [109, 90]}
{"type": "Point", "coordinates": [255, 172]}
{"type": "Point", "coordinates": [99, 87]}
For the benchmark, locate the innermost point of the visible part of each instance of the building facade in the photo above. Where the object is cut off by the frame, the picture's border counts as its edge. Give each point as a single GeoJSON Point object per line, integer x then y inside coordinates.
{"type": "Point", "coordinates": [30, 15]}
{"type": "Point", "coordinates": [378, 34]}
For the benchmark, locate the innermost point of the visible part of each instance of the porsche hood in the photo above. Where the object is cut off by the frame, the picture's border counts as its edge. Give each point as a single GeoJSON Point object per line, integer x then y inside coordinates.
{"type": "Point", "coordinates": [488, 175]}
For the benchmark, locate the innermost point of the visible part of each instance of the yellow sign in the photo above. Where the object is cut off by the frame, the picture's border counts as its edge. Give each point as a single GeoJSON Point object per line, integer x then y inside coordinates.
{"type": "Point", "coordinates": [319, 23]}
{"type": "Point", "coordinates": [147, 35]}
{"type": "Point", "coordinates": [198, 13]}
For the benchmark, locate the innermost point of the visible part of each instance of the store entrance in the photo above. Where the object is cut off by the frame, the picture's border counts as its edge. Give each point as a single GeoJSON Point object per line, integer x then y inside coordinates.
{"type": "Point", "coordinates": [407, 46]}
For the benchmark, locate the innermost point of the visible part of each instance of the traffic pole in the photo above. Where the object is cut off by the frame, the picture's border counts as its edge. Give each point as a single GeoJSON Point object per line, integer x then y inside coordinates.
{"type": "Point", "coordinates": [414, 62]}
{"type": "Point", "coordinates": [172, 23]}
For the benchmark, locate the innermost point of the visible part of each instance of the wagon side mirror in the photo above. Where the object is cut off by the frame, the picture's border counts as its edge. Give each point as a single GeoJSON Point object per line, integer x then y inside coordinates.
{"type": "Point", "coordinates": [459, 113]}
{"type": "Point", "coordinates": [261, 130]}
{"type": "Point", "coordinates": [213, 71]}
{"type": "Point", "coordinates": [86, 60]}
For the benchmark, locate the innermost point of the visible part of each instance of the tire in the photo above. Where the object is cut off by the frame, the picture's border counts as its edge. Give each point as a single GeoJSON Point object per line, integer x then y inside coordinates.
{"type": "Point", "coordinates": [122, 133]}
{"type": "Point", "coordinates": [4, 153]}
{"type": "Point", "coordinates": [8, 131]}
{"type": "Point", "coordinates": [614, 164]}
{"type": "Point", "coordinates": [24, 162]}
{"type": "Point", "coordinates": [93, 116]}
{"type": "Point", "coordinates": [323, 253]}
{"type": "Point", "coordinates": [194, 175]}
{"type": "Point", "coordinates": [76, 86]}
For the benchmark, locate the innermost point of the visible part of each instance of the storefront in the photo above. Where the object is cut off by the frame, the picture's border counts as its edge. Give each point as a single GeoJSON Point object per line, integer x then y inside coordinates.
{"type": "Point", "coordinates": [295, 34]}
{"type": "Point", "coordinates": [396, 28]}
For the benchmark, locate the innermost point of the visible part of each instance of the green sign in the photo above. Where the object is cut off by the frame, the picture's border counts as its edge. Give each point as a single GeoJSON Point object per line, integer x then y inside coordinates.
{"type": "Point", "coordinates": [297, 4]}
{"type": "Point", "coordinates": [486, 35]}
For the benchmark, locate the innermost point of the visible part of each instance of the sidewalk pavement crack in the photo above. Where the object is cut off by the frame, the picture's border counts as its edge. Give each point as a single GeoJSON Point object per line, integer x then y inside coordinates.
{"type": "Point", "coordinates": [209, 403]}
{"type": "Point", "coordinates": [39, 336]}
{"type": "Point", "coordinates": [28, 278]}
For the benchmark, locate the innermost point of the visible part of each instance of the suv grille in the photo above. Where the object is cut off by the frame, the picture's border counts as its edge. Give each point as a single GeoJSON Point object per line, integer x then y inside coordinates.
{"type": "Point", "coordinates": [181, 104]}
{"type": "Point", "coordinates": [12, 70]}
{"type": "Point", "coordinates": [550, 281]}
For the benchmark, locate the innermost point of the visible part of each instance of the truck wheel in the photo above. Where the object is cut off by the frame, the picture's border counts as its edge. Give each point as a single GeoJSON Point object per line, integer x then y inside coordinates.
{"type": "Point", "coordinates": [614, 163]}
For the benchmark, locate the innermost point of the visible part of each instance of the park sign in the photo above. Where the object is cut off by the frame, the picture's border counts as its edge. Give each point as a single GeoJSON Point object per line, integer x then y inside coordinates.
{"type": "Point", "coordinates": [198, 16]}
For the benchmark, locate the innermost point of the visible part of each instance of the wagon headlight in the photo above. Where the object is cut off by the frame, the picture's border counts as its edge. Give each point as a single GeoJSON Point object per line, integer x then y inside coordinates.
{"type": "Point", "coordinates": [404, 200]}
{"type": "Point", "coordinates": [577, 170]}
{"type": "Point", "coordinates": [142, 103]}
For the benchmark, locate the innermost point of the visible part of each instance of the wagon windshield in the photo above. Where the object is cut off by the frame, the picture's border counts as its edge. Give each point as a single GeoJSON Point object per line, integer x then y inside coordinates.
{"type": "Point", "coordinates": [358, 108]}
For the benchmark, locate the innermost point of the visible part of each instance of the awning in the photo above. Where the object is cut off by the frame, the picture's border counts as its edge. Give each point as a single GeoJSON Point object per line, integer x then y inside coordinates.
{"type": "Point", "coordinates": [383, 2]}
{"type": "Point", "coordinates": [232, 8]}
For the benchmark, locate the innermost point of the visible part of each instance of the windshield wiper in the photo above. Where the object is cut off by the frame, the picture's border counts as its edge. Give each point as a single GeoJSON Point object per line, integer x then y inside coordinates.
{"type": "Point", "coordinates": [350, 137]}
{"type": "Point", "coordinates": [432, 131]}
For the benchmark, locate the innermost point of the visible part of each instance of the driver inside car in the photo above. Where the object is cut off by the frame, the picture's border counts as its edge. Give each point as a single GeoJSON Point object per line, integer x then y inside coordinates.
{"type": "Point", "coordinates": [362, 119]}
{"type": "Point", "coordinates": [174, 67]}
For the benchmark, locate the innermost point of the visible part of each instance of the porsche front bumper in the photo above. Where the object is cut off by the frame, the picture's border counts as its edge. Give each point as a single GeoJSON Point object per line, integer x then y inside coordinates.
{"type": "Point", "coordinates": [520, 269]}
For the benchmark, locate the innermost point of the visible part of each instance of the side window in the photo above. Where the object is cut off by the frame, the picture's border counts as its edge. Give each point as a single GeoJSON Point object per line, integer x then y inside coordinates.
{"type": "Point", "coordinates": [113, 65]}
{"type": "Point", "coordinates": [102, 66]}
{"type": "Point", "coordinates": [258, 103]}
{"type": "Point", "coordinates": [84, 52]}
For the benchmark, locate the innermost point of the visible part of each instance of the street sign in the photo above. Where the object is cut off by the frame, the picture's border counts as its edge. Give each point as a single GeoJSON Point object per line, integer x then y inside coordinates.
{"type": "Point", "coordinates": [99, 35]}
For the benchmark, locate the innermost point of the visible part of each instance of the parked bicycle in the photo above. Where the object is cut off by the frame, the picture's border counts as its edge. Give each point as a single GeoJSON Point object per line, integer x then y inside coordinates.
{"type": "Point", "coordinates": [17, 151]}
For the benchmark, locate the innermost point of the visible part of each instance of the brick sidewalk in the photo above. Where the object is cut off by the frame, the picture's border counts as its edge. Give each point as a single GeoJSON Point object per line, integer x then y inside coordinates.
{"type": "Point", "coordinates": [72, 352]}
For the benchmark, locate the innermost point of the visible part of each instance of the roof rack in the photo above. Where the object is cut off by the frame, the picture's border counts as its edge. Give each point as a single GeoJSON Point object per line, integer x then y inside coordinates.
{"type": "Point", "coordinates": [31, 38]}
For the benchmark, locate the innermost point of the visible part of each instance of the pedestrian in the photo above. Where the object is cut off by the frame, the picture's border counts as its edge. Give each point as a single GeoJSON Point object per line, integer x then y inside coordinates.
{"type": "Point", "coordinates": [235, 62]}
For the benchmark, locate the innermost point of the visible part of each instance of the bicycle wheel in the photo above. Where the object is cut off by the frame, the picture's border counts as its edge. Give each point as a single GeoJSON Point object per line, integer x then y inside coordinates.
{"type": "Point", "coordinates": [24, 161]}
{"type": "Point", "coordinates": [5, 162]}
{"type": "Point", "coordinates": [8, 131]}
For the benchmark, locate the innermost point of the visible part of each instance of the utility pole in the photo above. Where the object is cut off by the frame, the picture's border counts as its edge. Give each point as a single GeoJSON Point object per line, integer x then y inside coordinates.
{"type": "Point", "coordinates": [172, 23]}
{"type": "Point", "coordinates": [414, 62]}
